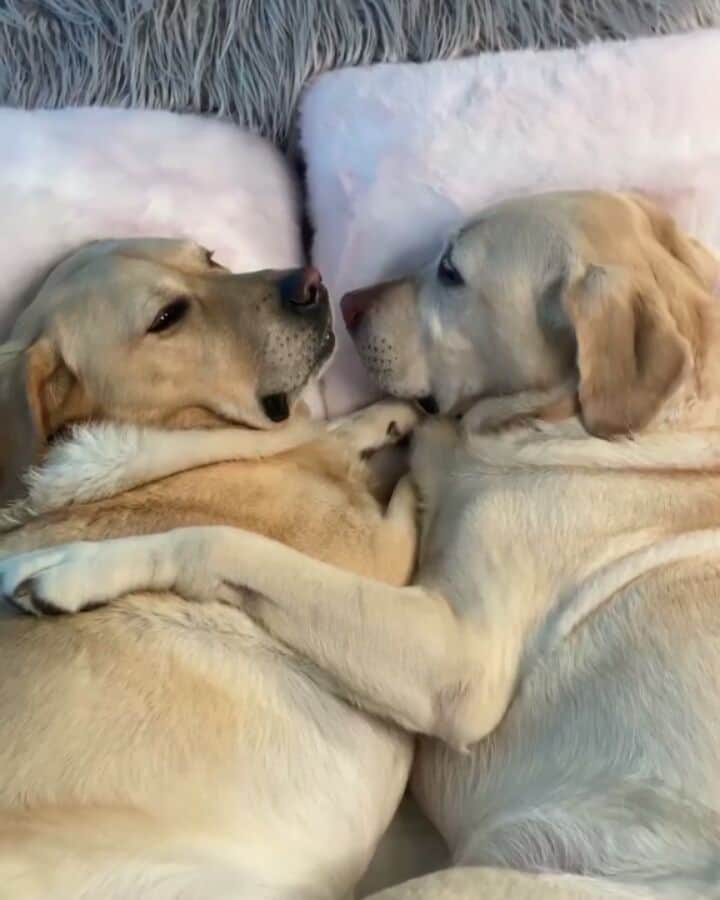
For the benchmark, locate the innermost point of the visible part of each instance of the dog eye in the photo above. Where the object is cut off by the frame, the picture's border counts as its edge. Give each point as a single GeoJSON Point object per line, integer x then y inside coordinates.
{"type": "Point", "coordinates": [447, 273]}
{"type": "Point", "coordinates": [170, 315]}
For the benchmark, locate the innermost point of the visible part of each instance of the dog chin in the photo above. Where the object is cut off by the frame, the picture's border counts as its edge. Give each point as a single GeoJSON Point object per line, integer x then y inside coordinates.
{"type": "Point", "coordinates": [278, 405]}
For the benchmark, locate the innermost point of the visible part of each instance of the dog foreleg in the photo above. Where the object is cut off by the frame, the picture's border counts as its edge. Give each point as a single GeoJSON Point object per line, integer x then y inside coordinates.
{"type": "Point", "coordinates": [401, 652]}
{"type": "Point", "coordinates": [100, 461]}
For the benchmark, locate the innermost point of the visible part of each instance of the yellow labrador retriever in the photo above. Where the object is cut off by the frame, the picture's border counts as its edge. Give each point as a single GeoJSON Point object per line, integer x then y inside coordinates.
{"type": "Point", "coordinates": [560, 648]}
{"type": "Point", "coordinates": [159, 749]}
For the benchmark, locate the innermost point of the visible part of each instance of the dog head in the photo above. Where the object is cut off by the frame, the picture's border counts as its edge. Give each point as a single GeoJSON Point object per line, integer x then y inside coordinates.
{"type": "Point", "coordinates": [601, 287]}
{"type": "Point", "coordinates": [153, 331]}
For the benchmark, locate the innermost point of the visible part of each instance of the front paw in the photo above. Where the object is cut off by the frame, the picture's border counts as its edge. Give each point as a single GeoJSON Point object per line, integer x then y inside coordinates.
{"type": "Point", "coordinates": [377, 426]}
{"type": "Point", "coordinates": [400, 417]}
{"type": "Point", "coordinates": [53, 581]}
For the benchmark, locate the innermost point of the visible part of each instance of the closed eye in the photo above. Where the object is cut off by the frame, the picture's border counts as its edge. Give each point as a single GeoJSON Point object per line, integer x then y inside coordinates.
{"type": "Point", "coordinates": [448, 273]}
{"type": "Point", "coordinates": [170, 315]}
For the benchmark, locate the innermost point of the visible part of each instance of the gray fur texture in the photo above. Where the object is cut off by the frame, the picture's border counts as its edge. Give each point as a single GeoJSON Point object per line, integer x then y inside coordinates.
{"type": "Point", "coordinates": [248, 60]}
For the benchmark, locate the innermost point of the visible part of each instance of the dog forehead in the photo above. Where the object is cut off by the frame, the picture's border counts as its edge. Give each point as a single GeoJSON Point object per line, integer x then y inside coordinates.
{"type": "Point", "coordinates": [174, 253]}
{"type": "Point", "coordinates": [120, 252]}
{"type": "Point", "coordinates": [469, 246]}
{"type": "Point", "coordinates": [97, 272]}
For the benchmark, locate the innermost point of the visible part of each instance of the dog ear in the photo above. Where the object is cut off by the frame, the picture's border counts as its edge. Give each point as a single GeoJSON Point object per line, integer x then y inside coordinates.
{"type": "Point", "coordinates": [38, 395]}
{"type": "Point", "coordinates": [630, 353]}
{"type": "Point", "coordinates": [698, 261]}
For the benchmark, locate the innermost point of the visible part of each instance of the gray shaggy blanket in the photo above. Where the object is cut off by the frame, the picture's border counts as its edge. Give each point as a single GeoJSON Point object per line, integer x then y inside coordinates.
{"type": "Point", "coordinates": [248, 60]}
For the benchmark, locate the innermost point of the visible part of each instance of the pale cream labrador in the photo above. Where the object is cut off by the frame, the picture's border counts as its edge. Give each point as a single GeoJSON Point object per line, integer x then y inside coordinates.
{"type": "Point", "coordinates": [159, 749]}
{"type": "Point", "coordinates": [560, 647]}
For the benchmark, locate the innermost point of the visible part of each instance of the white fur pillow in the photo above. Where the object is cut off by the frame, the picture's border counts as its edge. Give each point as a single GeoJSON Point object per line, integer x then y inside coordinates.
{"type": "Point", "coordinates": [70, 176]}
{"type": "Point", "coordinates": [398, 155]}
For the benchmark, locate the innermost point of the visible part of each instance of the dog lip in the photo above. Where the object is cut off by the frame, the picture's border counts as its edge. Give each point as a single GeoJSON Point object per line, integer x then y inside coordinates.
{"type": "Point", "coordinates": [428, 404]}
{"type": "Point", "coordinates": [276, 407]}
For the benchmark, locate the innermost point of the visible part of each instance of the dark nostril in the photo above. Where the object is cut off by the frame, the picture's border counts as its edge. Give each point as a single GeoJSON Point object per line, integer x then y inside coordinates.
{"type": "Point", "coordinates": [353, 307]}
{"type": "Point", "coordinates": [302, 288]}
{"type": "Point", "coordinates": [311, 292]}
{"type": "Point", "coordinates": [353, 317]}
{"type": "Point", "coordinates": [310, 287]}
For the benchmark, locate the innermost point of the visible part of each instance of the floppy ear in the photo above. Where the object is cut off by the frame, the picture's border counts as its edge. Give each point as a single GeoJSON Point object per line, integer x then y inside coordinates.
{"type": "Point", "coordinates": [630, 354]}
{"type": "Point", "coordinates": [38, 395]}
{"type": "Point", "coordinates": [694, 256]}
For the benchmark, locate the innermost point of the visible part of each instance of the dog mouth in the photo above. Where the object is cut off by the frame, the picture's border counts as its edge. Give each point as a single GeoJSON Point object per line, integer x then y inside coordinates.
{"type": "Point", "coordinates": [276, 406]}
{"type": "Point", "coordinates": [428, 404]}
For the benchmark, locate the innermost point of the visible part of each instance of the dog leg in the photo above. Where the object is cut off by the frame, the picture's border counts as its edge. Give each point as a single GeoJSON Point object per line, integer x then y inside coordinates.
{"type": "Point", "coordinates": [100, 461]}
{"type": "Point", "coordinates": [104, 460]}
{"type": "Point", "coordinates": [495, 413]}
{"type": "Point", "coordinates": [395, 538]}
{"type": "Point", "coordinates": [401, 652]}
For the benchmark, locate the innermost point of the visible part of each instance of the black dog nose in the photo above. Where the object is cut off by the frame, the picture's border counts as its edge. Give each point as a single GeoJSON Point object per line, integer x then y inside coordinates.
{"type": "Point", "coordinates": [302, 289]}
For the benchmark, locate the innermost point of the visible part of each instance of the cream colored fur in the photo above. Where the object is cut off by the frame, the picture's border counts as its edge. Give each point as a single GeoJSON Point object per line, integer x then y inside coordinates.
{"type": "Point", "coordinates": [559, 647]}
{"type": "Point", "coordinates": [160, 749]}
{"type": "Point", "coordinates": [94, 345]}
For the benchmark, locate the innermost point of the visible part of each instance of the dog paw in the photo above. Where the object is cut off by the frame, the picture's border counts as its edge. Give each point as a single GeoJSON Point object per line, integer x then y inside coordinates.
{"type": "Point", "coordinates": [376, 426]}
{"type": "Point", "coordinates": [401, 418]}
{"type": "Point", "coordinates": [53, 581]}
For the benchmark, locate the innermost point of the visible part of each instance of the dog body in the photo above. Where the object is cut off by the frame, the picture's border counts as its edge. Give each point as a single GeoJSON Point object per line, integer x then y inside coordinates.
{"type": "Point", "coordinates": [605, 756]}
{"type": "Point", "coordinates": [204, 755]}
{"type": "Point", "coordinates": [204, 761]}
{"type": "Point", "coordinates": [567, 323]}
{"type": "Point", "coordinates": [563, 321]}
{"type": "Point", "coordinates": [564, 613]}
{"type": "Point", "coordinates": [160, 749]}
